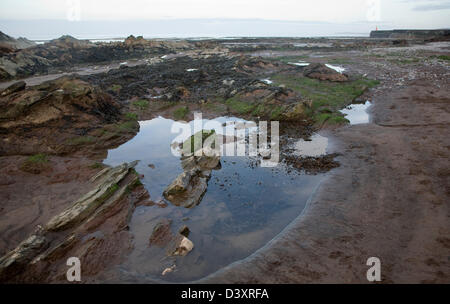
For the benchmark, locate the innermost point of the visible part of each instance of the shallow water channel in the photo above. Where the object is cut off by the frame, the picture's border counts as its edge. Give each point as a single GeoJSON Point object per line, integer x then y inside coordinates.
{"type": "Point", "coordinates": [245, 206]}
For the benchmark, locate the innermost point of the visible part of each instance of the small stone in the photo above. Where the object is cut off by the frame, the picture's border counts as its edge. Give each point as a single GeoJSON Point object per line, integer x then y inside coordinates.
{"type": "Point", "coordinates": [183, 246]}
{"type": "Point", "coordinates": [169, 269]}
{"type": "Point", "coordinates": [184, 230]}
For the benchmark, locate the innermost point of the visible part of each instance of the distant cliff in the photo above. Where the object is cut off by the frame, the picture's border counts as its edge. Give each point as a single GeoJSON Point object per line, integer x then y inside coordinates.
{"type": "Point", "coordinates": [413, 34]}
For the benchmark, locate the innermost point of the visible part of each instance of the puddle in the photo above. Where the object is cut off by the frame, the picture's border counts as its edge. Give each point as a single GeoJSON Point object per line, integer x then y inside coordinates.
{"type": "Point", "coordinates": [316, 146]}
{"type": "Point", "coordinates": [313, 45]}
{"type": "Point", "coordinates": [245, 206]}
{"type": "Point", "coordinates": [336, 68]}
{"type": "Point", "coordinates": [304, 63]}
{"type": "Point", "coordinates": [357, 113]}
{"type": "Point", "coordinates": [300, 63]}
{"type": "Point", "coordinates": [267, 81]}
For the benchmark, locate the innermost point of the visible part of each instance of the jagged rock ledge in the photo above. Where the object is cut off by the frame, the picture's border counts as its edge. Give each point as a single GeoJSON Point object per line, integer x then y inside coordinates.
{"type": "Point", "coordinates": [91, 227]}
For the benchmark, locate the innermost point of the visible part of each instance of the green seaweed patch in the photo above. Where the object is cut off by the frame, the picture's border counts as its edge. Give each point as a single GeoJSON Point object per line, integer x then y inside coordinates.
{"type": "Point", "coordinates": [80, 140]}
{"type": "Point", "coordinates": [444, 57]}
{"type": "Point", "coordinates": [276, 113]}
{"type": "Point", "coordinates": [136, 183]}
{"type": "Point", "coordinates": [287, 59]}
{"type": "Point", "coordinates": [217, 106]}
{"type": "Point", "coordinates": [35, 163]}
{"type": "Point", "coordinates": [115, 88]}
{"type": "Point", "coordinates": [128, 126]}
{"type": "Point", "coordinates": [109, 192]}
{"type": "Point", "coordinates": [326, 97]}
{"type": "Point", "coordinates": [333, 95]}
{"type": "Point", "coordinates": [142, 104]}
{"type": "Point", "coordinates": [191, 145]}
{"type": "Point", "coordinates": [441, 57]}
{"type": "Point", "coordinates": [131, 116]}
{"type": "Point", "coordinates": [97, 165]}
{"type": "Point", "coordinates": [238, 106]}
{"type": "Point", "coordinates": [180, 112]}
{"type": "Point", "coordinates": [339, 61]}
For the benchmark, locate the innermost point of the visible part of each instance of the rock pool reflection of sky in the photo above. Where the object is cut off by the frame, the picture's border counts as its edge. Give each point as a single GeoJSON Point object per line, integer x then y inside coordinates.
{"type": "Point", "coordinates": [244, 207]}
{"type": "Point", "coordinates": [357, 113]}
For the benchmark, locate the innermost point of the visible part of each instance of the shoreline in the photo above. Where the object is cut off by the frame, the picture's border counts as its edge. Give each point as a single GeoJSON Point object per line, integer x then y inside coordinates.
{"type": "Point", "coordinates": [341, 229]}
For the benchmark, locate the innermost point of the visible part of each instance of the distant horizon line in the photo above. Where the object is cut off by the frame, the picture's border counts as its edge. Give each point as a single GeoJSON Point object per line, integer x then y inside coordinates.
{"type": "Point", "coordinates": [344, 35]}
{"type": "Point", "coordinates": [184, 28]}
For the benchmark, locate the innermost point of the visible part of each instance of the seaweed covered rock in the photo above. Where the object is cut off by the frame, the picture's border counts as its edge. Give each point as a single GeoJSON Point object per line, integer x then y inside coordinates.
{"type": "Point", "coordinates": [198, 159]}
{"type": "Point", "coordinates": [322, 72]}
{"type": "Point", "coordinates": [55, 117]}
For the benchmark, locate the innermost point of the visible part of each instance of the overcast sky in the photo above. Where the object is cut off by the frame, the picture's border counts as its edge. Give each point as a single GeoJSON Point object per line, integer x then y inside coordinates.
{"type": "Point", "coordinates": [335, 16]}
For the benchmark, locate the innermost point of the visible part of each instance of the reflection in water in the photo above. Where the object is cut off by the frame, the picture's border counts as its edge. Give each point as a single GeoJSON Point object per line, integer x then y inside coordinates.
{"type": "Point", "coordinates": [245, 206]}
{"type": "Point", "coordinates": [315, 146]}
{"type": "Point", "coordinates": [357, 113]}
{"type": "Point", "coordinates": [336, 68]}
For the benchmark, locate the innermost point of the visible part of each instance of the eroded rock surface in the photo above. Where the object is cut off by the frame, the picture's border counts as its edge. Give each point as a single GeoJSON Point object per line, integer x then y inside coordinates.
{"type": "Point", "coordinates": [57, 117]}
{"type": "Point", "coordinates": [66, 52]}
{"type": "Point", "coordinates": [188, 188]}
{"type": "Point", "coordinates": [93, 226]}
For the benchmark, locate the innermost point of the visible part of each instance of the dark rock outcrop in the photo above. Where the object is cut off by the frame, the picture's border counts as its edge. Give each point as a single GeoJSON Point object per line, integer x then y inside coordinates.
{"type": "Point", "coordinates": [15, 87]}
{"type": "Point", "coordinates": [434, 35]}
{"type": "Point", "coordinates": [55, 117]}
{"type": "Point", "coordinates": [322, 72]}
{"type": "Point", "coordinates": [14, 44]}
{"type": "Point", "coordinates": [66, 52]}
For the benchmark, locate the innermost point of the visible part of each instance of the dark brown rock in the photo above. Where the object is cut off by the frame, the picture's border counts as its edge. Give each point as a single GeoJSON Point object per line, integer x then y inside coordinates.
{"type": "Point", "coordinates": [15, 87]}
{"type": "Point", "coordinates": [322, 72]}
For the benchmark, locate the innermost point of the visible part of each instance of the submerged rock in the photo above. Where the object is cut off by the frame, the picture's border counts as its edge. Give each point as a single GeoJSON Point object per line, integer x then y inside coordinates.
{"type": "Point", "coordinates": [182, 246]}
{"type": "Point", "coordinates": [161, 234]}
{"type": "Point", "coordinates": [184, 230]}
{"type": "Point", "coordinates": [187, 189]}
{"type": "Point", "coordinates": [176, 244]}
{"type": "Point", "coordinates": [197, 162]}
{"type": "Point", "coordinates": [168, 270]}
